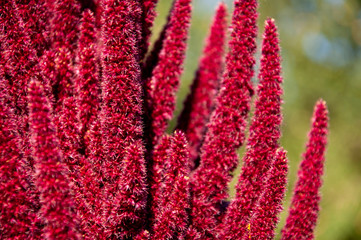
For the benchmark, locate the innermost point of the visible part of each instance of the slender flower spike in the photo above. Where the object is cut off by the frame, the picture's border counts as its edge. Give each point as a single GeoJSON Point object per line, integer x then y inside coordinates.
{"type": "Point", "coordinates": [265, 217]}
{"type": "Point", "coordinates": [263, 139]}
{"type": "Point", "coordinates": [162, 86]}
{"type": "Point", "coordinates": [304, 208]}
{"type": "Point", "coordinates": [160, 155]}
{"type": "Point", "coordinates": [227, 125]}
{"type": "Point", "coordinates": [17, 207]}
{"type": "Point", "coordinates": [121, 110]}
{"type": "Point", "coordinates": [200, 103]}
{"type": "Point", "coordinates": [121, 122]}
{"type": "Point", "coordinates": [128, 211]}
{"type": "Point", "coordinates": [57, 204]}
{"type": "Point", "coordinates": [17, 58]}
{"type": "Point", "coordinates": [87, 79]}
{"type": "Point", "coordinates": [34, 16]}
{"type": "Point", "coordinates": [172, 220]}
{"type": "Point", "coordinates": [62, 52]}
{"type": "Point", "coordinates": [149, 15]}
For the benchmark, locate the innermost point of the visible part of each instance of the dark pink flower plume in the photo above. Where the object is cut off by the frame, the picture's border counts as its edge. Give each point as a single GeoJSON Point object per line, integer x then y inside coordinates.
{"type": "Point", "coordinates": [172, 218]}
{"type": "Point", "coordinates": [162, 86]}
{"type": "Point", "coordinates": [149, 14]}
{"type": "Point", "coordinates": [62, 50]}
{"type": "Point", "coordinates": [121, 122]}
{"type": "Point", "coordinates": [84, 109]}
{"type": "Point", "coordinates": [87, 82]}
{"type": "Point", "coordinates": [127, 207]}
{"type": "Point", "coordinates": [227, 124]}
{"type": "Point", "coordinates": [18, 207]}
{"type": "Point", "coordinates": [56, 198]}
{"type": "Point", "coordinates": [201, 101]}
{"type": "Point", "coordinates": [263, 138]}
{"type": "Point", "coordinates": [264, 219]}
{"type": "Point", "coordinates": [304, 208]}
{"type": "Point", "coordinates": [156, 176]}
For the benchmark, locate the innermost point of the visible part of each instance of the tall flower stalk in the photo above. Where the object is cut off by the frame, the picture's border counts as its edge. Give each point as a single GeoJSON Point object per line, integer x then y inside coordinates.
{"type": "Point", "coordinates": [84, 107]}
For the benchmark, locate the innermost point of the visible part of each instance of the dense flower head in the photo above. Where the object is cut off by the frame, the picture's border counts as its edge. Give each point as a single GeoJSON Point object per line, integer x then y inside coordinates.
{"type": "Point", "coordinates": [84, 108]}
{"type": "Point", "coordinates": [304, 209]}
{"type": "Point", "coordinates": [263, 140]}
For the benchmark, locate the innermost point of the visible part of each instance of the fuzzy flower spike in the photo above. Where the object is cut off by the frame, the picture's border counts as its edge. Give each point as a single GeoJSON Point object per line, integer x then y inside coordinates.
{"type": "Point", "coordinates": [227, 125]}
{"type": "Point", "coordinates": [264, 219]}
{"type": "Point", "coordinates": [201, 101]}
{"type": "Point", "coordinates": [58, 208]}
{"type": "Point", "coordinates": [263, 139]}
{"type": "Point", "coordinates": [121, 123]}
{"type": "Point", "coordinates": [304, 209]}
{"type": "Point", "coordinates": [161, 87]}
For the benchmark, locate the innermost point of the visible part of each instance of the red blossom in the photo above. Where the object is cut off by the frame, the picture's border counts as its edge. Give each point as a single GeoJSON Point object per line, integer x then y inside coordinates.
{"type": "Point", "coordinates": [121, 125]}
{"type": "Point", "coordinates": [227, 124]}
{"type": "Point", "coordinates": [149, 14]}
{"type": "Point", "coordinates": [172, 218]}
{"type": "Point", "coordinates": [127, 208]}
{"type": "Point", "coordinates": [163, 84]}
{"type": "Point", "coordinates": [56, 198]}
{"type": "Point", "coordinates": [156, 176]}
{"type": "Point", "coordinates": [303, 212]}
{"type": "Point", "coordinates": [264, 219]}
{"type": "Point", "coordinates": [263, 138]}
{"type": "Point", "coordinates": [62, 51]}
{"type": "Point", "coordinates": [201, 101]}
{"type": "Point", "coordinates": [83, 148]}
{"type": "Point", "coordinates": [18, 207]}
{"type": "Point", "coordinates": [87, 79]}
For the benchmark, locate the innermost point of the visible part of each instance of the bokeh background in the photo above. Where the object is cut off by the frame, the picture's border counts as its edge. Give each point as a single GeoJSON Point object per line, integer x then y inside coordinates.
{"type": "Point", "coordinates": [321, 51]}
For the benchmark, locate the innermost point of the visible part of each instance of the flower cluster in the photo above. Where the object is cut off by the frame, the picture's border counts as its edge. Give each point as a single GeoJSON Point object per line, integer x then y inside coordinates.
{"type": "Point", "coordinates": [84, 106]}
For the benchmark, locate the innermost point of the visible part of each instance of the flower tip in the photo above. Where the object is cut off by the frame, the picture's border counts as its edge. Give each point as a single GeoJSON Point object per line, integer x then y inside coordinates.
{"type": "Point", "coordinates": [321, 104]}
{"type": "Point", "coordinates": [320, 108]}
{"type": "Point", "coordinates": [87, 13]}
{"type": "Point", "coordinates": [270, 25]}
{"type": "Point", "coordinates": [222, 7]}
{"type": "Point", "coordinates": [281, 151]}
{"type": "Point", "coordinates": [270, 21]}
{"type": "Point", "coordinates": [179, 133]}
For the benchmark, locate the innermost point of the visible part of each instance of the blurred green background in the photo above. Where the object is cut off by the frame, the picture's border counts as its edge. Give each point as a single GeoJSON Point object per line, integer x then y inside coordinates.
{"type": "Point", "coordinates": [321, 51]}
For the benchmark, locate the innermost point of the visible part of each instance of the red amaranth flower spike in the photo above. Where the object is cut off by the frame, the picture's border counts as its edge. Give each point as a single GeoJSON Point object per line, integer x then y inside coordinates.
{"type": "Point", "coordinates": [121, 110]}
{"type": "Point", "coordinates": [62, 51]}
{"type": "Point", "coordinates": [135, 14]}
{"type": "Point", "coordinates": [17, 59]}
{"type": "Point", "coordinates": [92, 180]}
{"type": "Point", "coordinates": [159, 158]}
{"type": "Point", "coordinates": [87, 79]}
{"type": "Point", "coordinates": [264, 219]}
{"type": "Point", "coordinates": [162, 86]}
{"type": "Point", "coordinates": [127, 217]}
{"type": "Point", "coordinates": [263, 140]}
{"type": "Point", "coordinates": [34, 16]}
{"type": "Point", "coordinates": [19, 55]}
{"type": "Point", "coordinates": [57, 204]}
{"type": "Point", "coordinates": [304, 208]}
{"type": "Point", "coordinates": [121, 122]}
{"type": "Point", "coordinates": [88, 105]}
{"type": "Point", "coordinates": [171, 222]}
{"type": "Point", "coordinates": [148, 17]}
{"type": "Point", "coordinates": [201, 101]}
{"type": "Point", "coordinates": [227, 124]}
{"type": "Point", "coordinates": [18, 207]}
